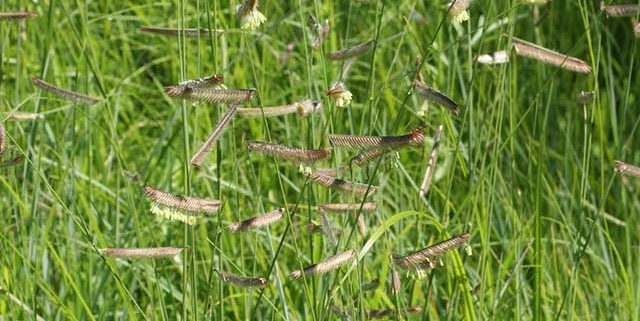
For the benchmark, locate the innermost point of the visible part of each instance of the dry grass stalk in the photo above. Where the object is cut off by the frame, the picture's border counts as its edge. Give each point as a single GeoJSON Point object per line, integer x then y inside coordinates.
{"type": "Point", "coordinates": [636, 29]}
{"type": "Point", "coordinates": [625, 10]}
{"type": "Point", "coordinates": [185, 87]}
{"type": "Point", "coordinates": [342, 185]}
{"type": "Point", "coordinates": [67, 94]}
{"type": "Point", "coordinates": [435, 96]}
{"type": "Point", "coordinates": [351, 52]}
{"type": "Point", "coordinates": [199, 157]}
{"type": "Point", "coordinates": [304, 108]}
{"type": "Point", "coordinates": [241, 281]}
{"type": "Point", "coordinates": [16, 15]}
{"type": "Point", "coordinates": [327, 265]}
{"type": "Point", "coordinates": [257, 221]}
{"type": "Point", "coordinates": [142, 253]}
{"type": "Point", "coordinates": [413, 138]}
{"type": "Point", "coordinates": [176, 32]}
{"type": "Point", "coordinates": [300, 155]}
{"type": "Point", "coordinates": [547, 56]}
{"type": "Point", "coordinates": [419, 258]}
{"type": "Point", "coordinates": [627, 169]}
{"type": "Point", "coordinates": [433, 161]}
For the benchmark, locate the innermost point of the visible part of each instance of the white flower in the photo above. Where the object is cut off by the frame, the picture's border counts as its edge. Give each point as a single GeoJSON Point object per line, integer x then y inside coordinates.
{"type": "Point", "coordinates": [253, 20]}
{"type": "Point", "coordinates": [498, 57]}
{"type": "Point", "coordinates": [460, 17]}
{"type": "Point", "coordinates": [458, 10]}
{"type": "Point", "coordinates": [340, 95]}
{"type": "Point", "coordinates": [249, 15]}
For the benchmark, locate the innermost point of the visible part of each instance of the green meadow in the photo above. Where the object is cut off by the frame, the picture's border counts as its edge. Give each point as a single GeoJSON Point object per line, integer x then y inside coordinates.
{"type": "Point", "coordinates": [526, 168]}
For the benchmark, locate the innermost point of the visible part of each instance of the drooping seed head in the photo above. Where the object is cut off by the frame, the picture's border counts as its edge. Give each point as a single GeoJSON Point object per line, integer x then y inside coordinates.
{"type": "Point", "coordinates": [178, 32]}
{"type": "Point", "coordinates": [241, 281]}
{"type": "Point", "coordinates": [384, 313]}
{"type": "Point", "coordinates": [435, 96]}
{"type": "Point", "coordinates": [63, 93]}
{"type": "Point", "coordinates": [16, 15]}
{"type": "Point", "coordinates": [23, 116]}
{"type": "Point", "coordinates": [185, 88]}
{"type": "Point", "coordinates": [199, 157]}
{"type": "Point", "coordinates": [330, 264]}
{"type": "Point", "coordinates": [142, 253]}
{"type": "Point", "coordinates": [627, 169]}
{"type": "Point", "coordinates": [182, 203]}
{"type": "Point", "coordinates": [299, 155]}
{"type": "Point", "coordinates": [427, 255]}
{"type": "Point", "coordinates": [413, 138]}
{"type": "Point", "coordinates": [535, 2]}
{"type": "Point", "coordinates": [351, 52]}
{"type": "Point", "coordinates": [257, 221]}
{"type": "Point", "coordinates": [433, 161]}
{"type": "Point", "coordinates": [395, 282]}
{"type": "Point", "coordinates": [342, 185]}
{"type": "Point", "coordinates": [547, 56]}
{"type": "Point", "coordinates": [349, 207]}
{"type": "Point", "coordinates": [625, 10]}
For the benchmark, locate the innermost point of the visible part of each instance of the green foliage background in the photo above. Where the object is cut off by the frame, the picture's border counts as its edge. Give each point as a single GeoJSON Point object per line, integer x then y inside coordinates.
{"type": "Point", "coordinates": [554, 230]}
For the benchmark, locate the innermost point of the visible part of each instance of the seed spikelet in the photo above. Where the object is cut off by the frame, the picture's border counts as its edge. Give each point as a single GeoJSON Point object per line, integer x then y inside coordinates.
{"type": "Point", "coordinates": [351, 52]}
{"type": "Point", "coordinates": [299, 155]}
{"type": "Point", "coordinates": [342, 185]}
{"type": "Point", "coordinates": [435, 96]}
{"type": "Point", "coordinates": [199, 157]}
{"type": "Point", "coordinates": [176, 32]}
{"type": "Point", "coordinates": [67, 94]}
{"type": "Point", "coordinates": [327, 265]}
{"type": "Point", "coordinates": [419, 258]}
{"type": "Point", "coordinates": [257, 221]}
{"type": "Point", "coordinates": [142, 253]}
{"type": "Point", "coordinates": [241, 281]}
{"type": "Point", "coordinates": [627, 169]}
{"type": "Point", "coordinates": [433, 161]}
{"type": "Point", "coordinates": [544, 55]}
{"type": "Point", "coordinates": [16, 15]}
